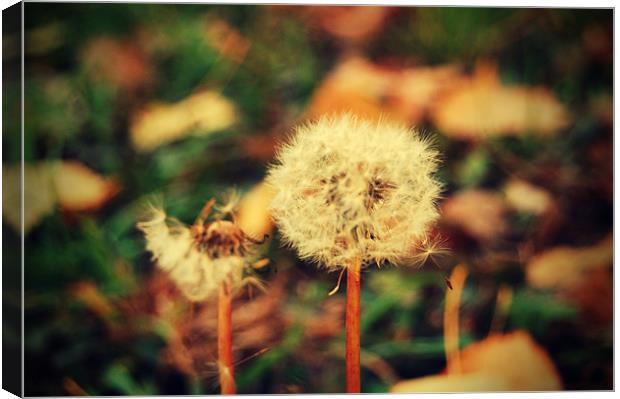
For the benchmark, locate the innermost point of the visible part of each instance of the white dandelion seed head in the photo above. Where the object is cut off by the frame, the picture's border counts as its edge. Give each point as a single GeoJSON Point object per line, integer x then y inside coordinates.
{"type": "Point", "coordinates": [197, 260]}
{"type": "Point", "coordinates": [349, 188]}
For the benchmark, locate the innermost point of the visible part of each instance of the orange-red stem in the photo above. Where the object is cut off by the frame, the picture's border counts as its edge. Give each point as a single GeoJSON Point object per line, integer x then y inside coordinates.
{"type": "Point", "coordinates": [451, 319]}
{"type": "Point", "coordinates": [353, 328]}
{"type": "Point", "coordinates": [224, 340]}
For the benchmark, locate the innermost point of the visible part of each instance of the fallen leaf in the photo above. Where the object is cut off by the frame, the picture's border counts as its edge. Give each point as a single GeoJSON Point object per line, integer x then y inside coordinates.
{"type": "Point", "coordinates": [525, 197]}
{"type": "Point", "coordinates": [78, 188]}
{"type": "Point", "coordinates": [39, 197]}
{"type": "Point", "coordinates": [482, 107]}
{"type": "Point", "coordinates": [416, 89]}
{"type": "Point", "coordinates": [482, 381]}
{"type": "Point", "coordinates": [508, 362]}
{"type": "Point", "coordinates": [253, 216]}
{"type": "Point", "coordinates": [376, 92]}
{"type": "Point", "coordinates": [530, 368]}
{"type": "Point", "coordinates": [480, 213]}
{"type": "Point", "coordinates": [199, 114]}
{"type": "Point", "coordinates": [564, 267]}
{"type": "Point", "coordinates": [355, 85]}
{"type": "Point", "coordinates": [69, 184]}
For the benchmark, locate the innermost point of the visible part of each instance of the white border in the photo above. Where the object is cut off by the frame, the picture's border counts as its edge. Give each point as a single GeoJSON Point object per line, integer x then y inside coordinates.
{"type": "Point", "coordinates": [479, 3]}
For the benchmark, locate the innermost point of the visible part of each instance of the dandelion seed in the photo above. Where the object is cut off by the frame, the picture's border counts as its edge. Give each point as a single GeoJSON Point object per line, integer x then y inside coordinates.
{"type": "Point", "coordinates": [231, 204]}
{"type": "Point", "coordinates": [430, 249]}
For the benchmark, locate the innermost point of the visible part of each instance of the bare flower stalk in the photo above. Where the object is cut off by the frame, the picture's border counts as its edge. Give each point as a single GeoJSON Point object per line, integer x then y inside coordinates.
{"type": "Point", "coordinates": [224, 340]}
{"type": "Point", "coordinates": [352, 354]}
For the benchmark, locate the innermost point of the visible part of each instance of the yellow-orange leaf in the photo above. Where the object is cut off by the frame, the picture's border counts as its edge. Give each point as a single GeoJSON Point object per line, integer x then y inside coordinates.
{"type": "Point", "coordinates": [39, 198]}
{"type": "Point", "coordinates": [564, 267]}
{"type": "Point", "coordinates": [199, 114]}
{"type": "Point", "coordinates": [78, 188]}
{"type": "Point", "coordinates": [482, 381]}
{"type": "Point", "coordinates": [355, 85]}
{"type": "Point", "coordinates": [482, 106]}
{"type": "Point", "coordinates": [253, 216]}
{"type": "Point", "coordinates": [529, 368]}
{"type": "Point", "coordinates": [480, 213]}
{"type": "Point", "coordinates": [69, 184]}
{"type": "Point", "coordinates": [416, 89]}
{"type": "Point", "coordinates": [525, 197]}
{"type": "Point", "coordinates": [508, 362]}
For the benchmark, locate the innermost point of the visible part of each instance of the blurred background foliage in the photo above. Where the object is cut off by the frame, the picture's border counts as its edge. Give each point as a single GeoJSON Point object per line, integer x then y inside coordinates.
{"type": "Point", "coordinates": [182, 102]}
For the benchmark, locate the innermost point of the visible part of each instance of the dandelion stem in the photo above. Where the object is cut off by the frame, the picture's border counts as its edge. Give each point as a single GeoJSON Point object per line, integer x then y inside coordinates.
{"type": "Point", "coordinates": [224, 340]}
{"type": "Point", "coordinates": [353, 327]}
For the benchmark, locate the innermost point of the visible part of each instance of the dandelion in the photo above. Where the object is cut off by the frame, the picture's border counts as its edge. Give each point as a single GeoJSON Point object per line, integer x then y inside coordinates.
{"type": "Point", "coordinates": [350, 193]}
{"type": "Point", "coordinates": [204, 259]}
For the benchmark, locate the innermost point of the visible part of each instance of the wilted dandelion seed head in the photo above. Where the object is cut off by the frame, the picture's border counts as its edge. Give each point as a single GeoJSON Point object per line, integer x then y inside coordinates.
{"type": "Point", "coordinates": [198, 258]}
{"type": "Point", "coordinates": [348, 189]}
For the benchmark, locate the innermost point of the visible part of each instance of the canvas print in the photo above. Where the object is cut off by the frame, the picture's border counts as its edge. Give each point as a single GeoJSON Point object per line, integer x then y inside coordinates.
{"type": "Point", "coordinates": [287, 199]}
